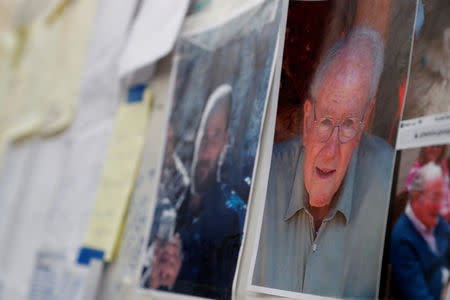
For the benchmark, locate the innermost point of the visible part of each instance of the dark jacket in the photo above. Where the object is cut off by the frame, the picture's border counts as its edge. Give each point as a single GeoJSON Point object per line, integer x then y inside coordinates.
{"type": "Point", "coordinates": [210, 243]}
{"type": "Point", "coordinates": [416, 270]}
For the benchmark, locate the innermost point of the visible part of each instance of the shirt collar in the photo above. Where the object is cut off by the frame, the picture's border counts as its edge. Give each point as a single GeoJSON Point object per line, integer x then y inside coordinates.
{"type": "Point", "coordinates": [297, 194]}
{"type": "Point", "coordinates": [416, 222]}
{"type": "Point", "coordinates": [345, 197]}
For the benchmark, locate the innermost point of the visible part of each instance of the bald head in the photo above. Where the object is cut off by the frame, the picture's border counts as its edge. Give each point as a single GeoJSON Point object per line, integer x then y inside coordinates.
{"type": "Point", "coordinates": [357, 58]}
{"type": "Point", "coordinates": [427, 194]}
{"type": "Point", "coordinates": [211, 139]}
{"type": "Point", "coordinates": [428, 173]}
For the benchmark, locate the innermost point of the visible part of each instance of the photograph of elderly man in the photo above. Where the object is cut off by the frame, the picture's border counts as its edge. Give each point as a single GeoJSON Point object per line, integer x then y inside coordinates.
{"type": "Point", "coordinates": [420, 240]}
{"type": "Point", "coordinates": [328, 191]}
{"type": "Point", "coordinates": [417, 251]}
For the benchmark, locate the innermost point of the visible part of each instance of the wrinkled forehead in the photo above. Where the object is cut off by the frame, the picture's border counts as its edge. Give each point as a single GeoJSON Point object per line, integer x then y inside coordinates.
{"type": "Point", "coordinates": [434, 185]}
{"type": "Point", "coordinates": [346, 83]}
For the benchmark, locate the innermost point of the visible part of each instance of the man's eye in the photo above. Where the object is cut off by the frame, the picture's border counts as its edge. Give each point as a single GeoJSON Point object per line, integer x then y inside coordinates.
{"type": "Point", "coordinates": [349, 123]}
{"type": "Point", "coordinates": [326, 123]}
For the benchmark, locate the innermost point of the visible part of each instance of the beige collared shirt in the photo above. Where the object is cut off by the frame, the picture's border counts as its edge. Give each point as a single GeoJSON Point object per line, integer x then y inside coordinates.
{"type": "Point", "coordinates": [344, 258]}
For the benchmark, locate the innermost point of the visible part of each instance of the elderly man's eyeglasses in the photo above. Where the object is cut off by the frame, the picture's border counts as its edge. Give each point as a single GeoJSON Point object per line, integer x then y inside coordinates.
{"type": "Point", "coordinates": [347, 128]}
{"type": "Point", "coordinates": [433, 196]}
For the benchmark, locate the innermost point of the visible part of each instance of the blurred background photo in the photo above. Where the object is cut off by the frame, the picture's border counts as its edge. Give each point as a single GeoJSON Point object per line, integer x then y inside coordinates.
{"type": "Point", "coordinates": [429, 86]}
{"type": "Point", "coordinates": [416, 258]}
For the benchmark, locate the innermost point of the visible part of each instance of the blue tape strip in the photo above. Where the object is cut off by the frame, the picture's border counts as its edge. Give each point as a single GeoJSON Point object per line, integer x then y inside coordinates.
{"type": "Point", "coordinates": [86, 254]}
{"type": "Point", "coordinates": [136, 93]}
{"type": "Point", "coordinates": [201, 5]}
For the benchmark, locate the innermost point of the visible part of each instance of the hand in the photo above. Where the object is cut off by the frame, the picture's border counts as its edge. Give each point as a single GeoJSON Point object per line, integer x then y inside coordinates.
{"type": "Point", "coordinates": [166, 263]}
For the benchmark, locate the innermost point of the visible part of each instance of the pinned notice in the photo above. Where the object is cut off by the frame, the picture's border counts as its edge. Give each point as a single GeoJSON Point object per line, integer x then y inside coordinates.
{"type": "Point", "coordinates": [119, 175]}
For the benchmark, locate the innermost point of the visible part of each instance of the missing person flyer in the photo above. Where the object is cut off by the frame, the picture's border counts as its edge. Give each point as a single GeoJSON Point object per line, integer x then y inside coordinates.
{"type": "Point", "coordinates": [323, 225]}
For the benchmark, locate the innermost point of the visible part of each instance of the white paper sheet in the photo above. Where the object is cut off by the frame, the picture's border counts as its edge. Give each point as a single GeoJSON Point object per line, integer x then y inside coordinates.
{"type": "Point", "coordinates": [424, 131]}
{"type": "Point", "coordinates": [152, 37]}
{"type": "Point", "coordinates": [47, 199]}
{"type": "Point", "coordinates": [13, 173]}
{"type": "Point", "coordinates": [100, 85]}
{"type": "Point", "coordinates": [26, 215]}
{"type": "Point", "coordinates": [53, 278]}
{"type": "Point", "coordinates": [66, 218]}
{"type": "Point", "coordinates": [69, 214]}
{"type": "Point", "coordinates": [48, 186]}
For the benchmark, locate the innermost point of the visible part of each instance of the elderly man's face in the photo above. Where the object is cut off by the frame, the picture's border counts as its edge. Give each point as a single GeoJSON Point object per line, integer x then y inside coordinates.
{"type": "Point", "coordinates": [429, 203]}
{"type": "Point", "coordinates": [214, 139]}
{"type": "Point", "coordinates": [432, 152]}
{"type": "Point", "coordinates": [343, 95]}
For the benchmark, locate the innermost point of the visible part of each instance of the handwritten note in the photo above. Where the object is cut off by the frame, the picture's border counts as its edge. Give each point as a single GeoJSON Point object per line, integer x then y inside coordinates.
{"type": "Point", "coordinates": [119, 175]}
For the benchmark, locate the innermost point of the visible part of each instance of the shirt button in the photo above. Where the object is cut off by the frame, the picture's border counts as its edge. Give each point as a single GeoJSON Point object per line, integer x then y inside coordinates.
{"type": "Point", "coordinates": [314, 247]}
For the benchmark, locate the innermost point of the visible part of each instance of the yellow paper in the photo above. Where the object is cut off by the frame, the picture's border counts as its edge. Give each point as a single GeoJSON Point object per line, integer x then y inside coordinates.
{"type": "Point", "coordinates": [41, 76]}
{"type": "Point", "coordinates": [58, 11]}
{"type": "Point", "coordinates": [119, 176]}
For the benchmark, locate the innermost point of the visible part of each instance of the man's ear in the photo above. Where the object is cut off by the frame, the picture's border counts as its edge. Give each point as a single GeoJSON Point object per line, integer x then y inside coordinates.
{"type": "Point", "coordinates": [369, 111]}
{"type": "Point", "coordinates": [415, 196]}
{"type": "Point", "coordinates": [307, 115]}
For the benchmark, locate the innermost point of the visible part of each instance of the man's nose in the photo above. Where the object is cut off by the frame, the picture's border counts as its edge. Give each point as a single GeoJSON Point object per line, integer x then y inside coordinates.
{"type": "Point", "coordinates": [209, 154]}
{"type": "Point", "coordinates": [331, 147]}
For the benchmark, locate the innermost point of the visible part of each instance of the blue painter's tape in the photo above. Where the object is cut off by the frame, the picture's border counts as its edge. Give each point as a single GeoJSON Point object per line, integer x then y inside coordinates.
{"type": "Point", "coordinates": [136, 93]}
{"type": "Point", "coordinates": [86, 254]}
{"type": "Point", "coordinates": [201, 5]}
